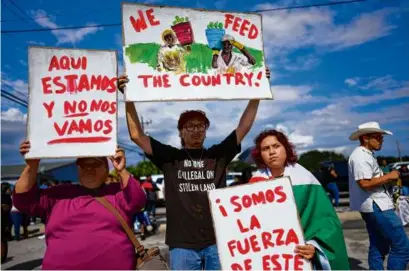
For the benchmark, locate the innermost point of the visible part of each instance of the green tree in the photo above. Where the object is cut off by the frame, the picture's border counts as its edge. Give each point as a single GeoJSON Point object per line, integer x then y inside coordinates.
{"type": "Point", "coordinates": [391, 159]}
{"type": "Point", "coordinates": [238, 166]}
{"type": "Point", "coordinates": [311, 159]}
{"type": "Point", "coordinates": [143, 168]}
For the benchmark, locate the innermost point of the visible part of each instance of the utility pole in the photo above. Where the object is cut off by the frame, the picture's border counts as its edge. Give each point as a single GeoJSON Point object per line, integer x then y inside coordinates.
{"type": "Point", "coordinates": [143, 123]}
{"type": "Point", "coordinates": [399, 154]}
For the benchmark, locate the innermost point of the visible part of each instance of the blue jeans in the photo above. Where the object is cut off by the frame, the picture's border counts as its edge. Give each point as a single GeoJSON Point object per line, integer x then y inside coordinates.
{"type": "Point", "coordinates": [405, 190]}
{"type": "Point", "coordinates": [333, 193]}
{"type": "Point", "coordinates": [194, 259]}
{"type": "Point", "coordinates": [386, 236]}
{"type": "Point", "coordinates": [17, 219]}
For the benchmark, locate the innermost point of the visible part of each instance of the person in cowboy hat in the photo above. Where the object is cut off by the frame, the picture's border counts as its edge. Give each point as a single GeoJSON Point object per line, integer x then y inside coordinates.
{"type": "Point", "coordinates": [369, 192]}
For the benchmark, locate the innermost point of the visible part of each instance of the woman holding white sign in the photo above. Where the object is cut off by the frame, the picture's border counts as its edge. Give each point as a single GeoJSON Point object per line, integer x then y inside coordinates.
{"type": "Point", "coordinates": [80, 232]}
{"type": "Point", "coordinates": [276, 157]}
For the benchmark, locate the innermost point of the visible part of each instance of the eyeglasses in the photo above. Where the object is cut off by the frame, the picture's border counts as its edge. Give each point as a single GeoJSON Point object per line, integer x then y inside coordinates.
{"type": "Point", "coordinates": [201, 127]}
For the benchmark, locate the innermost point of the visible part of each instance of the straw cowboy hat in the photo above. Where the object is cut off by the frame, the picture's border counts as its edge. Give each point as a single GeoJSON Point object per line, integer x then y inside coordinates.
{"type": "Point", "coordinates": [368, 128]}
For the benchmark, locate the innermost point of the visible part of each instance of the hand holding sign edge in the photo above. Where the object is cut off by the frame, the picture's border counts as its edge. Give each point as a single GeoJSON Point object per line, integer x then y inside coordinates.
{"type": "Point", "coordinates": [305, 251]}
{"type": "Point", "coordinates": [24, 149]}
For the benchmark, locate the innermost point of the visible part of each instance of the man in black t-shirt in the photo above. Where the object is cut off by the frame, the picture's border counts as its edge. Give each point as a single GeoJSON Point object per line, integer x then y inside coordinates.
{"type": "Point", "coordinates": [189, 173]}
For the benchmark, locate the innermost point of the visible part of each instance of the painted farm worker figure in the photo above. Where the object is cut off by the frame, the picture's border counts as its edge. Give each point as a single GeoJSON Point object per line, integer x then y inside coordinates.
{"type": "Point", "coordinates": [228, 61]}
{"type": "Point", "coordinates": [171, 56]}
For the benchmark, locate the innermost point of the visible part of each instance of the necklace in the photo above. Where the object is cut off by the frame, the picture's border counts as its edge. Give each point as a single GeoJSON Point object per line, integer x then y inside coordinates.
{"type": "Point", "coordinates": [200, 159]}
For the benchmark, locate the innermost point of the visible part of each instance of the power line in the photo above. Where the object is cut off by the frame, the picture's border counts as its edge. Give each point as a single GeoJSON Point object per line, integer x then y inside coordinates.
{"type": "Point", "coordinates": [311, 6]}
{"type": "Point", "coordinates": [11, 86]}
{"type": "Point", "coordinates": [59, 15]}
{"type": "Point", "coordinates": [15, 13]}
{"type": "Point", "coordinates": [14, 96]}
{"type": "Point", "coordinates": [21, 10]}
{"type": "Point", "coordinates": [59, 28]}
{"type": "Point", "coordinates": [119, 24]}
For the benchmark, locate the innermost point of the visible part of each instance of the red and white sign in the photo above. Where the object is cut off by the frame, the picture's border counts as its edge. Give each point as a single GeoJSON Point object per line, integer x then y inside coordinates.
{"type": "Point", "coordinates": [257, 226]}
{"type": "Point", "coordinates": [72, 103]}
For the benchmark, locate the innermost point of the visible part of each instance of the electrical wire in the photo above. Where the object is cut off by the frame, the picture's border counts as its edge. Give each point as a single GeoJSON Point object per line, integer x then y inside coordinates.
{"type": "Point", "coordinates": [119, 24]}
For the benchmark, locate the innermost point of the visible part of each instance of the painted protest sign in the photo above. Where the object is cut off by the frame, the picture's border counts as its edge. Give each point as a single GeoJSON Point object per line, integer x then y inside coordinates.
{"type": "Point", "coordinates": [257, 226]}
{"type": "Point", "coordinates": [72, 103]}
{"type": "Point", "coordinates": [186, 54]}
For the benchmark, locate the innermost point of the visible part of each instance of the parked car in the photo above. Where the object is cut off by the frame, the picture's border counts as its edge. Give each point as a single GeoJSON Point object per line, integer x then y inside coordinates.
{"type": "Point", "coordinates": [341, 168]}
{"type": "Point", "coordinates": [230, 177]}
{"type": "Point", "coordinates": [397, 165]}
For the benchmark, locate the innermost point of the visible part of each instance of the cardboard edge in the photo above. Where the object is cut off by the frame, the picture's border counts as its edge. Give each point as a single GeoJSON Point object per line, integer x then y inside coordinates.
{"type": "Point", "coordinates": [123, 46]}
{"type": "Point", "coordinates": [215, 234]}
{"type": "Point", "coordinates": [30, 94]}
{"type": "Point", "coordinates": [298, 215]}
{"type": "Point", "coordinates": [116, 100]}
{"type": "Point", "coordinates": [127, 99]}
{"type": "Point", "coordinates": [28, 129]}
{"type": "Point", "coordinates": [269, 180]}
{"type": "Point", "coordinates": [215, 99]}
{"type": "Point", "coordinates": [190, 8]}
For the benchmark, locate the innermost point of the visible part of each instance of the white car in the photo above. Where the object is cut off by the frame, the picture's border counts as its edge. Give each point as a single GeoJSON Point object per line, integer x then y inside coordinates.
{"type": "Point", "coordinates": [230, 177]}
{"type": "Point", "coordinates": [397, 165]}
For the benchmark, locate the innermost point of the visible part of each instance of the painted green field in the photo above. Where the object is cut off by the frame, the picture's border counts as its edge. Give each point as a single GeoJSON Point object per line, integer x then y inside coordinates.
{"type": "Point", "coordinates": [198, 60]}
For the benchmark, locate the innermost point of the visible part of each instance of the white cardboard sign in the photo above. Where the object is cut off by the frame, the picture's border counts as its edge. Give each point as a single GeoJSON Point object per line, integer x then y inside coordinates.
{"type": "Point", "coordinates": [257, 226]}
{"type": "Point", "coordinates": [186, 54]}
{"type": "Point", "coordinates": [72, 103]}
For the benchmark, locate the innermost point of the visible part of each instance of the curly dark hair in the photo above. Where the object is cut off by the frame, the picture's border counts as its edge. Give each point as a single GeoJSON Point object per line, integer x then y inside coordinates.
{"type": "Point", "coordinates": [283, 139]}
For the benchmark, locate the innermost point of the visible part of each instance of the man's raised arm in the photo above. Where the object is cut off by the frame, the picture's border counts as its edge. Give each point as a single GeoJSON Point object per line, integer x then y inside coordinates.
{"type": "Point", "coordinates": [248, 117]}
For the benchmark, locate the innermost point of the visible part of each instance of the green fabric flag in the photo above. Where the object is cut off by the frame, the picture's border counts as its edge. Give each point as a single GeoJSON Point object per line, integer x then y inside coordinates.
{"type": "Point", "coordinates": [319, 220]}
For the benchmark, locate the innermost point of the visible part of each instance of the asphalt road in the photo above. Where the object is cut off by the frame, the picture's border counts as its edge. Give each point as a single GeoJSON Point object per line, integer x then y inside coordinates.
{"type": "Point", "coordinates": [27, 254]}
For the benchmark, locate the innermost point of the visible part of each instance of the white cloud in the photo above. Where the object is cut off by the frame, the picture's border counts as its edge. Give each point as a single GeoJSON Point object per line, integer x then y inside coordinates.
{"type": "Point", "coordinates": [382, 83]}
{"type": "Point", "coordinates": [17, 87]}
{"type": "Point", "coordinates": [66, 35]}
{"type": "Point", "coordinates": [33, 42]}
{"type": "Point", "coordinates": [300, 140]}
{"type": "Point", "coordinates": [22, 62]}
{"type": "Point", "coordinates": [292, 29]}
{"type": "Point", "coordinates": [300, 63]}
{"type": "Point", "coordinates": [13, 115]}
{"type": "Point", "coordinates": [352, 81]}
{"type": "Point", "coordinates": [291, 93]}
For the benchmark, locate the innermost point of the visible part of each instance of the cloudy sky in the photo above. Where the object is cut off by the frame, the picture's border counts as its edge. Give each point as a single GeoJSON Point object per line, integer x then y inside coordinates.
{"type": "Point", "coordinates": [332, 69]}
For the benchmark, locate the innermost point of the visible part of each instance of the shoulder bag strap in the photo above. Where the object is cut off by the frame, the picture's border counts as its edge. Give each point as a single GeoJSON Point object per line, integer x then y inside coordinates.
{"type": "Point", "coordinates": [138, 246]}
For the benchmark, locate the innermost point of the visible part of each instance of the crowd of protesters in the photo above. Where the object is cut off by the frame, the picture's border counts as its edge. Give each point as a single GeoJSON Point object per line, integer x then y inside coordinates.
{"type": "Point", "coordinates": [78, 223]}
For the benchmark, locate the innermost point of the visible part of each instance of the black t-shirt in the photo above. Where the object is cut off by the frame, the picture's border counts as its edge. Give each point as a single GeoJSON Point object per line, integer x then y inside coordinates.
{"type": "Point", "coordinates": [187, 180]}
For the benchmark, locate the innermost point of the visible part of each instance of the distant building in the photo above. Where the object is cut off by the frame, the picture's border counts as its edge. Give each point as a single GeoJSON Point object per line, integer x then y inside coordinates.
{"type": "Point", "coordinates": [60, 171]}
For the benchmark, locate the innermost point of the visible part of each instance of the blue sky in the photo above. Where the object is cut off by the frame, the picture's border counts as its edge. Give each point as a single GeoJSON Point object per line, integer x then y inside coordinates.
{"type": "Point", "coordinates": [332, 69]}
